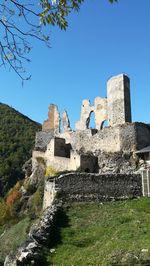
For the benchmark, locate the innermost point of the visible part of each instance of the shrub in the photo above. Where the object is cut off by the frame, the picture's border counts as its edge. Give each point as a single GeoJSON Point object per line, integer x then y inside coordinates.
{"type": "Point", "coordinates": [37, 200]}
{"type": "Point", "coordinates": [41, 160]}
{"type": "Point", "coordinates": [50, 171]}
{"type": "Point", "coordinates": [12, 198]}
{"type": "Point", "coordinates": [29, 187]}
{"type": "Point", "coordinates": [4, 213]}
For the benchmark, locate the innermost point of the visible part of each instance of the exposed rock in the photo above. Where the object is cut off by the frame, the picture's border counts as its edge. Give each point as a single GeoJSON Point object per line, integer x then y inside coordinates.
{"type": "Point", "coordinates": [38, 174]}
{"type": "Point", "coordinates": [27, 168]}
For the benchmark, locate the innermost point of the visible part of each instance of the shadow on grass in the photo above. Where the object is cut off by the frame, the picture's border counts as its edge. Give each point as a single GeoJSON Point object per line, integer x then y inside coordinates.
{"type": "Point", "coordinates": [61, 221]}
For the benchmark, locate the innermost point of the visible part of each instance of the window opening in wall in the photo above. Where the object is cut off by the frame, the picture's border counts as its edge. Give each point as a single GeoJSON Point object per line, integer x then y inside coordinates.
{"type": "Point", "coordinates": [105, 123]}
{"type": "Point", "coordinates": [91, 123]}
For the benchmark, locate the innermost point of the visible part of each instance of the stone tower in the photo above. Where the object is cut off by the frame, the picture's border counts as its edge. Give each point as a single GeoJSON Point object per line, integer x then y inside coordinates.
{"type": "Point", "coordinates": [118, 100]}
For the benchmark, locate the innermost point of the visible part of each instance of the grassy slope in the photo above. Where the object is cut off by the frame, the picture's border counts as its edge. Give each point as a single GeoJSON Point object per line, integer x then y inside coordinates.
{"type": "Point", "coordinates": [17, 135]}
{"type": "Point", "coordinates": [12, 237]}
{"type": "Point", "coordinates": [116, 233]}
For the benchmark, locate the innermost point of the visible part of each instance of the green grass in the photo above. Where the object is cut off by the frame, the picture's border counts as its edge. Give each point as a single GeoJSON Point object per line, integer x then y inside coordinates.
{"type": "Point", "coordinates": [12, 237]}
{"type": "Point", "coordinates": [114, 233]}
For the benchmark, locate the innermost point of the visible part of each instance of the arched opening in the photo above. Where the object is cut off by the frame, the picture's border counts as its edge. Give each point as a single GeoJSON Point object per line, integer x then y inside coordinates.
{"type": "Point", "coordinates": [87, 170]}
{"type": "Point", "coordinates": [91, 122]}
{"type": "Point", "coordinates": [105, 123]}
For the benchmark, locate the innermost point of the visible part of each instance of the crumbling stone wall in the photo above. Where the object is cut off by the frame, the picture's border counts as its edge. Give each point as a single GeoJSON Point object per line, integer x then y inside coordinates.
{"type": "Point", "coordinates": [116, 108]}
{"type": "Point", "coordinates": [96, 187]}
{"type": "Point", "coordinates": [52, 124]}
{"type": "Point", "coordinates": [42, 139]}
{"type": "Point", "coordinates": [86, 111]}
{"type": "Point", "coordinates": [117, 162]}
{"type": "Point", "coordinates": [120, 140]}
{"type": "Point", "coordinates": [107, 140]}
{"type": "Point", "coordinates": [65, 122]}
{"type": "Point", "coordinates": [100, 111]}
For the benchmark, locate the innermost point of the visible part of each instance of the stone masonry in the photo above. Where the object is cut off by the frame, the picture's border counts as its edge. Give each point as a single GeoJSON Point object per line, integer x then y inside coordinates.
{"type": "Point", "coordinates": [69, 149]}
{"type": "Point", "coordinates": [118, 100]}
{"type": "Point", "coordinates": [53, 121]}
{"type": "Point", "coordinates": [92, 187]}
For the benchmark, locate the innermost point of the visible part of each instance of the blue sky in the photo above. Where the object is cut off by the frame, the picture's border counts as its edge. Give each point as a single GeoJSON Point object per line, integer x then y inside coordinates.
{"type": "Point", "coordinates": [102, 40]}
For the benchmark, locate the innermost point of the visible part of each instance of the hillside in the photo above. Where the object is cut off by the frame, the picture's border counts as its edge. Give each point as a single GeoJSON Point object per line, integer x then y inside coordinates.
{"type": "Point", "coordinates": [17, 134]}
{"type": "Point", "coordinates": [94, 234]}
{"type": "Point", "coordinates": [106, 234]}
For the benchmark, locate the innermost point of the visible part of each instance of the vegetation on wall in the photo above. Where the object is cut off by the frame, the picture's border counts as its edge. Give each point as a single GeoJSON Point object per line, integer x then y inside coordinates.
{"type": "Point", "coordinates": [17, 135]}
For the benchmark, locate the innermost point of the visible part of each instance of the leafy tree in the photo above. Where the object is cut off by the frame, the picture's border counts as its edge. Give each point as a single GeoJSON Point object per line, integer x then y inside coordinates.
{"type": "Point", "coordinates": [22, 20]}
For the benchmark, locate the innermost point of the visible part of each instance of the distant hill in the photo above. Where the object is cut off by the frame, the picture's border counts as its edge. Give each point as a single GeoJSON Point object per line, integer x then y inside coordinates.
{"type": "Point", "coordinates": [17, 135]}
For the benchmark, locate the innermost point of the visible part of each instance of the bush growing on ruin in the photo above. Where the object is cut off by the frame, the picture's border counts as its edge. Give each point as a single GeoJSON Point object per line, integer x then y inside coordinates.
{"type": "Point", "coordinates": [41, 161]}
{"type": "Point", "coordinates": [50, 171]}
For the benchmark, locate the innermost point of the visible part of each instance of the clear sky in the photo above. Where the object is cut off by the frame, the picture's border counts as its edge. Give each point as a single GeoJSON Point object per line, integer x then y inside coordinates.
{"type": "Point", "coordinates": [102, 40]}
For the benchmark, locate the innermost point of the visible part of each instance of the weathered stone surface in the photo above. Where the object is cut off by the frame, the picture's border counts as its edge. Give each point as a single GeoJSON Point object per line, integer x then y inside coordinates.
{"type": "Point", "coordinates": [86, 110]}
{"type": "Point", "coordinates": [100, 110]}
{"type": "Point", "coordinates": [42, 139]}
{"type": "Point", "coordinates": [118, 162]}
{"type": "Point", "coordinates": [118, 99]}
{"type": "Point", "coordinates": [119, 139]}
{"type": "Point", "coordinates": [65, 122]}
{"type": "Point", "coordinates": [27, 168]}
{"type": "Point", "coordinates": [93, 187]}
{"type": "Point", "coordinates": [38, 174]}
{"type": "Point", "coordinates": [52, 124]}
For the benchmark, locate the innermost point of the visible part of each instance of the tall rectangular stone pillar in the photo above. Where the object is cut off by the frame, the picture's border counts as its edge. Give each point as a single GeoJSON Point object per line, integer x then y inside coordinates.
{"type": "Point", "coordinates": [52, 124]}
{"type": "Point", "coordinates": [118, 100]}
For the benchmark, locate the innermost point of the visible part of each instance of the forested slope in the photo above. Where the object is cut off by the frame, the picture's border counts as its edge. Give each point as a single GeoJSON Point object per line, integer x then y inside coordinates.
{"type": "Point", "coordinates": [17, 135]}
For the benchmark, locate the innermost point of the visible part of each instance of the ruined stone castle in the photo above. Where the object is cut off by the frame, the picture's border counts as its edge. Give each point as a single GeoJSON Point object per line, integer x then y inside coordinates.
{"type": "Point", "coordinates": [114, 161]}
{"type": "Point", "coordinates": [109, 158]}
{"type": "Point", "coordinates": [109, 149]}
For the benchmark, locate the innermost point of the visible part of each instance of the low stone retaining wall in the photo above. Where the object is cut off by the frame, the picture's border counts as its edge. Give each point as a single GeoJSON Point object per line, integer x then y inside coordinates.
{"type": "Point", "coordinates": [93, 187]}
{"type": "Point", "coordinates": [39, 235]}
